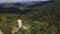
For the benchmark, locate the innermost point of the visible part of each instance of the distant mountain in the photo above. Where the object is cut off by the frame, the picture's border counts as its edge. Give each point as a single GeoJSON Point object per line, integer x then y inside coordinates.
{"type": "Point", "coordinates": [10, 4]}
{"type": "Point", "coordinates": [28, 4]}
{"type": "Point", "coordinates": [21, 7]}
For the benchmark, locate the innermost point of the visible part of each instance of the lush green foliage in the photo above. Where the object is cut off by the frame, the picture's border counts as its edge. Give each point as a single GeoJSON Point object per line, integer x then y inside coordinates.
{"type": "Point", "coordinates": [43, 20]}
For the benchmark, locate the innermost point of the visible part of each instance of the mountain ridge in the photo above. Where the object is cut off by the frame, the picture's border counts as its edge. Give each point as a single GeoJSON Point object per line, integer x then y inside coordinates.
{"type": "Point", "coordinates": [22, 4]}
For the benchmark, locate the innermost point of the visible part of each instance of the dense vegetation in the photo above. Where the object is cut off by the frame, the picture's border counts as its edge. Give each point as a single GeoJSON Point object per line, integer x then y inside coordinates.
{"type": "Point", "coordinates": [44, 20]}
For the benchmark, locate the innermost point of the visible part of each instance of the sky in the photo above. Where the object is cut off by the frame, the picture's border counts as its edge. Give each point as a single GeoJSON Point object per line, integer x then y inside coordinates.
{"type": "Point", "coordinates": [3, 1]}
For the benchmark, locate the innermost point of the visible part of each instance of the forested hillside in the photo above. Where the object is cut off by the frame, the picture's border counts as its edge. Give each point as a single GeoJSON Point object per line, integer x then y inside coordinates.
{"type": "Point", "coordinates": [44, 19]}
